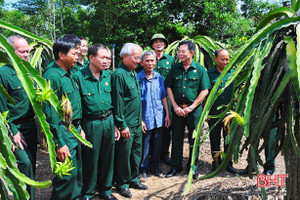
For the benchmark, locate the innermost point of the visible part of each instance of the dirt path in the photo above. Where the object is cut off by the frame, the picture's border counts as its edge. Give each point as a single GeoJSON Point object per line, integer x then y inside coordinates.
{"type": "Point", "coordinates": [219, 187]}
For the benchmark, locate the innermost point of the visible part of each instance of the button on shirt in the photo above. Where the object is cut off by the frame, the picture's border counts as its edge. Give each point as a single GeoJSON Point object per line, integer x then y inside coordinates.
{"type": "Point", "coordinates": [186, 84]}
{"type": "Point", "coordinates": [152, 93]}
{"type": "Point", "coordinates": [225, 97]}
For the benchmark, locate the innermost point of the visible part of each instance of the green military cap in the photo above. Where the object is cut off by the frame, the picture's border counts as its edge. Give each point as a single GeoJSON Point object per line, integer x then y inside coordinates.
{"type": "Point", "coordinates": [158, 36]}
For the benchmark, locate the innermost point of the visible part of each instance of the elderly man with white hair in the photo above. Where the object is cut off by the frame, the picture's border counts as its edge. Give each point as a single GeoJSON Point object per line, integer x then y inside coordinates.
{"type": "Point", "coordinates": [126, 98]}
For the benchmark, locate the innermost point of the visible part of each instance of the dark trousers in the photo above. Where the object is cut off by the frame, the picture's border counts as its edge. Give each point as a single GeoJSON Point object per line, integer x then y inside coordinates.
{"type": "Point", "coordinates": [269, 152]}
{"type": "Point", "coordinates": [69, 187]}
{"type": "Point", "coordinates": [178, 127]}
{"type": "Point", "coordinates": [98, 162]}
{"type": "Point", "coordinates": [128, 155]}
{"type": "Point", "coordinates": [215, 138]}
{"type": "Point", "coordinates": [26, 158]}
{"type": "Point", "coordinates": [166, 136]}
{"type": "Point", "coordinates": [151, 149]}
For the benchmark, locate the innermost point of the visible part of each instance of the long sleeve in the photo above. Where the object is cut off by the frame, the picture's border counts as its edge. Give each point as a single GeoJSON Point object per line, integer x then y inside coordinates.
{"type": "Point", "coordinates": [52, 116]}
{"type": "Point", "coordinates": [117, 83]}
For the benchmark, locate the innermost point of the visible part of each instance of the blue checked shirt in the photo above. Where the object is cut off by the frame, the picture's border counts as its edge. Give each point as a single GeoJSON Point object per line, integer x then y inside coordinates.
{"type": "Point", "coordinates": [152, 93]}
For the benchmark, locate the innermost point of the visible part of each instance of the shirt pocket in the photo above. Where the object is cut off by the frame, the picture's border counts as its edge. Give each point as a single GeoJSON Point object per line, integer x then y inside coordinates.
{"type": "Point", "coordinates": [177, 80]}
{"type": "Point", "coordinates": [88, 97]}
{"type": "Point", "coordinates": [107, 92]}
{"type": "Point", "coordinates": [133, 91]}
{"type": "Point", "coordinates": [18, 92]}
{"type": "Point", "coordinates": [194, 81]}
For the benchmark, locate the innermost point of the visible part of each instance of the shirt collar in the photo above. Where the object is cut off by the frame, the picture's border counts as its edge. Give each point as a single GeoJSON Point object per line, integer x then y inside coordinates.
{"type": "Point", "coordinates": [164, 56]}
{"type": "Point", "coordinates": [60, 70]}
{"type": "Point", "coordinates": [123, 66]}
{"type": "Point", "coordinates": [143, 75]}
{"type": "Point", "coordinates": [193, 65]}
{"type": "Point", "coordinates": [88, 74]}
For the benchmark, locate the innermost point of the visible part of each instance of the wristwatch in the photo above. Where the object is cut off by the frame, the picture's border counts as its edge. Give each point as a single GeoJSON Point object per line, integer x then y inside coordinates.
{"type": "Point", "coordinates": [191, 107]}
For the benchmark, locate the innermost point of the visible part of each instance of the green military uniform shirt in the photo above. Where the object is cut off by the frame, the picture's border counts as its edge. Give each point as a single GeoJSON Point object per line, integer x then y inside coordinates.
{"type": "Point", "coordinates": [164, 65]}
{"type": "Point", "coordinates": [62, 83]}
{"type": "Point", "coordinates": [79, 66]}
{"type": "Point", "coordinates": [187, 84]}
{"type": "Point", "coordinates": [126, 98]}
{"type": "Point", "coordinates": [14, 87]}
{"type": "Point", "coordinates": [96, 95]}
{"type": "Point", "coordinates": [225, 97]}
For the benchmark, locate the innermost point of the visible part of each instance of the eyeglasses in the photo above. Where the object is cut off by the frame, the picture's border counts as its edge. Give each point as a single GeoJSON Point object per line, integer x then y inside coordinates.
{"type": "Point", "coordinates": [136, 58]}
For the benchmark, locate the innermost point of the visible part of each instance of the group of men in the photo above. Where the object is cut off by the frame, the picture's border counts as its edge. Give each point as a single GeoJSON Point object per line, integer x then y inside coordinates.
{"type": "Point", "coordinates": [128, 117]}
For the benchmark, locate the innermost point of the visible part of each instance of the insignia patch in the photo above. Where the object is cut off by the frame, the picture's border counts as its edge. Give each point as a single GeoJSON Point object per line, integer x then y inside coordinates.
{"type": "Point", "coordinates": [195, 70]}
{"type": "Point", "coordinates": [167, 62]}
{"type": "Point", "coordinates": [106, 83]}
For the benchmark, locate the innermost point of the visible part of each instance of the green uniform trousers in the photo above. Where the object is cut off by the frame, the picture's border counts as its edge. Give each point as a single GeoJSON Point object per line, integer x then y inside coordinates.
{"type": "Point", "coordinates": [215, 138]}
{"type": "Point", "coordinates": [98, 162]}
{"type": "Point", "coordinates": [178, 128]}
{"type": "Point", "coordinates": [128, 156]}
{"type": "Point", "coordinates": [69, 187]}
{"type": "Point", "coordinates": [26, 158]}
{"type": "Point", "coordinates": [269, 152]}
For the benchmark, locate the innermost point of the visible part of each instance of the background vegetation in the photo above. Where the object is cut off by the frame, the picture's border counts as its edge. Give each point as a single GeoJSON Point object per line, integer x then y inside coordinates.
{"type": "Point", "coordinates": [116, 22]}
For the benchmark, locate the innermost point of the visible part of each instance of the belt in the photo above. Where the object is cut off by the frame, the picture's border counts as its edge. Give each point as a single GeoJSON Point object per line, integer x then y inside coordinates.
{"type": "Point", "coordinates": [99, 117]}
{"type": "Point", "coordinates": [23, 120]}
{"type": "Point", "coordinates": [185, 105]}
{"type": "Point", "coordinates": [76, 123]}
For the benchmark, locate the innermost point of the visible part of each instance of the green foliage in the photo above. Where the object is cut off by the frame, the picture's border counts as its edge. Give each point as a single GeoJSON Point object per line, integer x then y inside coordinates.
{"type": "Point", "coordinates": [10, 177]}
{"type": "Point", "coordinates": [262, 88]}
{"type": "Point", "coordinates": [204, 49]}
{"type": "Point", "coordinates": [63, 168]}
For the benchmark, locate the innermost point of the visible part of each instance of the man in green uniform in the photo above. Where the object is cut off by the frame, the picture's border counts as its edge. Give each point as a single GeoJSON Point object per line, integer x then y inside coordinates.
{"type": "Point", "coordinates": [83, 49]}
{"type": "Point", "coordinates": [222, 60]}
{"type": "Point", "coordinates": [126, 97]}
{"type": "Point", "coordinates": [163, 66]}
{"type": "Point", "coordinates": [67, 145]}
{"type": "Point", "coordinates": [97, 123]}
{"type": "Point", "coordinates": [187, 86]}
{"type": "Point", "coordinates": [21, 115]}
{"type": "Point", "coordinates": [78, 64]}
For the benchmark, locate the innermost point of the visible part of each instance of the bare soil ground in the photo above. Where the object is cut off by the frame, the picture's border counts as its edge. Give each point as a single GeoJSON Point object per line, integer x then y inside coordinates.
{"type": "Point", "coordinates": [222, 186]}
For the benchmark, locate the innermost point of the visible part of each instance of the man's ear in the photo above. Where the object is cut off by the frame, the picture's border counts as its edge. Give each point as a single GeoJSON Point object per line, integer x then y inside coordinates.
{"type": "Point", "coordinates": [61, 55]}
{"type": "Point", "coordinates": [192, 52]}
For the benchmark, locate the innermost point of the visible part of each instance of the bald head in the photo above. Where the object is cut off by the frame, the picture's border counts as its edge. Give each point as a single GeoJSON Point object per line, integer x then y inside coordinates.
{"type": "Point", "coordinates": [20, 45]}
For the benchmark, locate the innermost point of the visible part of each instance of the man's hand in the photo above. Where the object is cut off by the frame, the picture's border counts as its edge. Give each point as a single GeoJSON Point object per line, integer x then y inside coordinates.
{"type": "Point", "coordinates": [179, 111]}
{"type": "Point", "coordinates": [167, 121]}
{"type": "Point", "coordinates": [187, 110]}
{"type": "Point", "coordinates": [125, 133]}
{"type": "Point", "coordinates": [144, 128]}
{"type": "Point", "coordinates": [19, 139]}
{"type": "Point", "coordinates": [117, 134]}
{"type": "Point", "coordinates": [62, 153]}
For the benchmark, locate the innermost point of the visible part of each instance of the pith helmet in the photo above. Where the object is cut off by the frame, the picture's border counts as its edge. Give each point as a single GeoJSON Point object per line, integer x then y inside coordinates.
{"type": "Point", "coordinates": [158, 36]}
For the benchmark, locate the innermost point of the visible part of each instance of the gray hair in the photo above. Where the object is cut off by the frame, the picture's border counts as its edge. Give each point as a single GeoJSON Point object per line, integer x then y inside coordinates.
{"type": "Point", "coordinates": [11, 39]}
{"type": "Point", "coordinates": [148, 53]}
{"type": "Point", "coordinates": [128, 48]}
